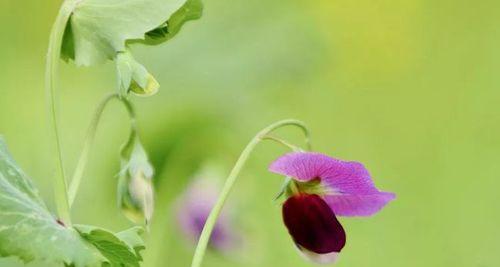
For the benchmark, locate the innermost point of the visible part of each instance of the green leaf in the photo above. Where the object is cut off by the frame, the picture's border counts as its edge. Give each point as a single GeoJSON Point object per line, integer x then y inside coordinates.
{"type": "Point", "coordinates": [133, 77]}
{"type": "Point", "coordinates": [100, 28]}
{"type": "Point", "coordinates": [28, 230]}
{"type": "Point", "coordinates": [191, 10]}
{"type": "Point", "coordinates": [121, 249]}
{"type": "Point", "coordinates": [133, 239]}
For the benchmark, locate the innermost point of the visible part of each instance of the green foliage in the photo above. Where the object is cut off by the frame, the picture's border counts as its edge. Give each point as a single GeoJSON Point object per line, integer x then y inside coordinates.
{"type": "Point", "coordinates": [191, 10]}
{"type": "Point", "coordinates": [100, 28]}
{"type": "Point", "coordinates": [30, 232]}
{"type": "Point", "coordinates": [133, 239]}
{"type": "Point", "coordinates": [121, 250]}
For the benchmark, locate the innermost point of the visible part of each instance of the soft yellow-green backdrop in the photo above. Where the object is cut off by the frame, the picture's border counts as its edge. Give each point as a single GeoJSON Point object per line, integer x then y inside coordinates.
{"type": "Point", "coordinates": [410, 88]}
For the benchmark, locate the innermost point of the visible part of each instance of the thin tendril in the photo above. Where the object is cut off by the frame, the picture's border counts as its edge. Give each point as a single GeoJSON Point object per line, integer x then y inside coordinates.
{"type": "Point", "coordinates": [214, 214]}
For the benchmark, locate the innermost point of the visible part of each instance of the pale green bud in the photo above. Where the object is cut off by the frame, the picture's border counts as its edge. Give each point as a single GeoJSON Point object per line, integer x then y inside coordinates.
{"type": "Point", "coordinates": [134, 77]}
{"type": "Point", "coordinates": [135, 187]}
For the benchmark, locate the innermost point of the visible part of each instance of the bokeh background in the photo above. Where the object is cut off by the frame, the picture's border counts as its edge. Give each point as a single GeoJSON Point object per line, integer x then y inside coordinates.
{"type": "Point", "coordinates": [410, 88]}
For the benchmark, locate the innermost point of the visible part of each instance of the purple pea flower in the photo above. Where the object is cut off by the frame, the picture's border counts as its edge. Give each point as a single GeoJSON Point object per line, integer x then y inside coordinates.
{"type": "Point", "coordinates": [193, 208]}
{"type": "Point", "coordinates": [320, 188]}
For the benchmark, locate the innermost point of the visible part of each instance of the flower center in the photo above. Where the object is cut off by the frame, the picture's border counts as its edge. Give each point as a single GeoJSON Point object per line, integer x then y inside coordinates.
{"type": "Point", "coordinates": [311, 187]}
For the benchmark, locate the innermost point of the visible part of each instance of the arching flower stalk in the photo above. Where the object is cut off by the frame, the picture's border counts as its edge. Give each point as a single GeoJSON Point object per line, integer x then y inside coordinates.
{"type": "Point", "coordinates": [317, 188]}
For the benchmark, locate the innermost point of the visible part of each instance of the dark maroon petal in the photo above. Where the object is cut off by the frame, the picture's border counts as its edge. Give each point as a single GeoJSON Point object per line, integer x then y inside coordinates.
{"type": "Point", "coordinates": [312, 224]}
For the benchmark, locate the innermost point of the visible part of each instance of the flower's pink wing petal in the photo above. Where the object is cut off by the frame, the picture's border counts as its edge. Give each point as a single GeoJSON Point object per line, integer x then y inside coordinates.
{"type": "Point", "coordinates": [358, 205]}
{"type": "Point", "coordinates": [343, 177]}
{"type": "Point", "coordinates": [348, 177]}
{"type": "Point", "coordinates": [352, 191]}
{"type": "Point", "coordinates": [303, 166]}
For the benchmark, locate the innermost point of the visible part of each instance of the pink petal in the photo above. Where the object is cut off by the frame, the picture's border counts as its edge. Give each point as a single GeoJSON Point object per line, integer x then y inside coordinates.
{"type": "Point", "coordinates": [358, 205]}
{"type": "Point", "coordinates": [193, 208]}
{"type": "Point", "coordinates": [352, 191]}
{"type": "Point", "coordinates": [303, 166]}
{"type": "Point", "coordinates": [341, 176]}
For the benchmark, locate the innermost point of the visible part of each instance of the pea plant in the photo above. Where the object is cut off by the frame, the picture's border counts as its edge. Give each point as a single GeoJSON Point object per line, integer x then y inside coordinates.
{"type": "Point", "coordinates": [90, 32]}
{"type": "Point", "coordinates": [317, 188]}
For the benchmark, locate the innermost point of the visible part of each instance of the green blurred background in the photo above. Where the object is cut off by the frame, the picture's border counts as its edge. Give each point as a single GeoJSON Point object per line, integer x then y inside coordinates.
{"type": "Point", "coordinates": [410, 88]}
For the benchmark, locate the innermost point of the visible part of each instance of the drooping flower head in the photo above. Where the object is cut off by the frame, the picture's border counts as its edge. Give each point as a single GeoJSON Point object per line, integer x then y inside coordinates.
{"type": "Point", "coordinates": [193, 208]}
{"type": "Point", "coordinates": [135, 187]}
{"type": "Point", "coordinates": [321, 188]}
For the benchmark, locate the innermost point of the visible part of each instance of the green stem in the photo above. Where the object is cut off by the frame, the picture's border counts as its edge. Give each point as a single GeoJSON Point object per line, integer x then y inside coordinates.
{"type": "Point", "coordinates": [214, 214]}
{"type": "Point", "coordinates": [89, 141]}
{"type": "Point", "coordinates": [282, 142]}
{"type": "Point", "coordinates": [53, 53]}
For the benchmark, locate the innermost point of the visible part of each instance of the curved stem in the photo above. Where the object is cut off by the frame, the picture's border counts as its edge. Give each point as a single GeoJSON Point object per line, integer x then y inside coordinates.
{"type": "Point", "coordinates": [214, 214]}
{"type": "Point", "coordinates": [282, 142]}
{"type": "Point", "coordinates": [53, 53]}
{"type": "Point", "coordinates": [89, 141]}
{"type": "Point", "coordinates": [131, 114]}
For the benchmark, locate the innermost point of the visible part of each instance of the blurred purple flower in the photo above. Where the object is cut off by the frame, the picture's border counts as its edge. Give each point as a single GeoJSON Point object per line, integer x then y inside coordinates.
{"type": "Point", "coordinates": [320, 188]}
{"type": "Point", "coordinates": [193, 209]}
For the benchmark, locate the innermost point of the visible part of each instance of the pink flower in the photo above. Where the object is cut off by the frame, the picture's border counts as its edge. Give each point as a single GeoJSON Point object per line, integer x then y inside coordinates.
{"type": "Point", "coordinates": [322, 187]}
{"type": "Point", "coordinates": [193, 208]}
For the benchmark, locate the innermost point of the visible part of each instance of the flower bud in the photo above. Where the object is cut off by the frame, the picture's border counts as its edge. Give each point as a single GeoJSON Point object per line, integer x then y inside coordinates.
{"type": "Point", "coordinates": [134, 77]}
{"type": "Point", "coordinates": [135, 188]}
